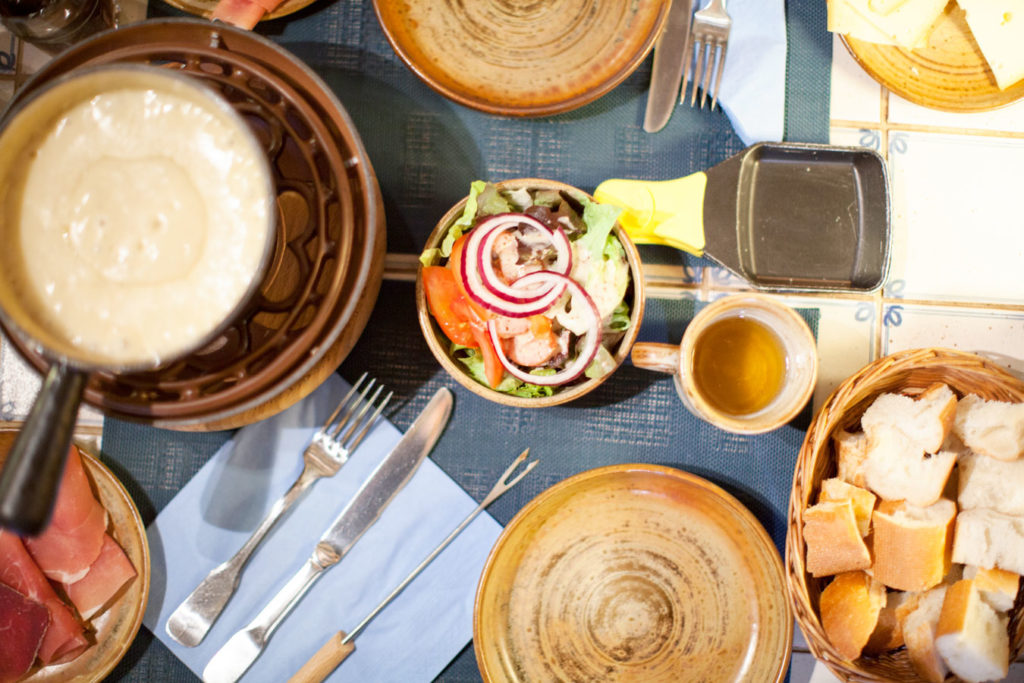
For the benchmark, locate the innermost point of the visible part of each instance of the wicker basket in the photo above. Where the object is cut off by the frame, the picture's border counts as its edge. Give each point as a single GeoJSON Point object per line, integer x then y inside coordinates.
{"type": "Point", "coordinates": [908, 372]}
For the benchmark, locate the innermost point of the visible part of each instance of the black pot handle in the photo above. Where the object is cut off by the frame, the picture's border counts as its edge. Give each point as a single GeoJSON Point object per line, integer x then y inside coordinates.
{"type": "Point", "coordinates": [35, 464]}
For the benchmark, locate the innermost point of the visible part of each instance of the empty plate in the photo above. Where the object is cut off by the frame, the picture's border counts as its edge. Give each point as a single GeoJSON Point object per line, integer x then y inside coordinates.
{"type": "Point", "coordinates": [633, 573]}
{"type": "Point", "coordinates": [522, 58]}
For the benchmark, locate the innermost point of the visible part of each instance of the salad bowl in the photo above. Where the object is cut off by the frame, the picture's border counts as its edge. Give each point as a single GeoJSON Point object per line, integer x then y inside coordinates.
{"type": "Point", "coordinates": [550, 312]}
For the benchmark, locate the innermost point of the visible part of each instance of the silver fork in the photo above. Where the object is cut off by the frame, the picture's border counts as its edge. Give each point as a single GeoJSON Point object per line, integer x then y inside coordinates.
{"type": "Point", "coordinates": [710, 37]}
{"type": "Point", "coordinates": [327, 452]}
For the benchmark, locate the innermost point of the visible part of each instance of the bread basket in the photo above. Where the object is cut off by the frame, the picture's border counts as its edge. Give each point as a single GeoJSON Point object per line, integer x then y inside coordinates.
{"type": "Point", "coordinates": [909, 372]}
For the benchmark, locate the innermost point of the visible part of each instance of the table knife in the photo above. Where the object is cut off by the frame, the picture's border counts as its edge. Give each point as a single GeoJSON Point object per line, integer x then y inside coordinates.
{"type": "Point", "coordinates": [242, 649]}
{"type": "Point", "coordinates": [670, 53]}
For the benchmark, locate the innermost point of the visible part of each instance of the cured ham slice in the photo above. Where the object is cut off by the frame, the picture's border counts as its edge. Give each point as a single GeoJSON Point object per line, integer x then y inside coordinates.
{"type": "Point", "coordinates": [241, 13]}
{"type": "Point", "coordinates": [65, 637]}
{"type": "Point", "coordinates": [23, 624]}
{"type": "Point", "coordinates": [74, 536]}
{"type": "Point", "coordinates": [111, 570]}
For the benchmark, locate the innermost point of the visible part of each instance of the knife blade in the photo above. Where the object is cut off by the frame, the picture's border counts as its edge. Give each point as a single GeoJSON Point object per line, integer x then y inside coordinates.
{"type": "Point", "coordinates": [393, 472]}
{"type": "Point", "coordinates": [670, 53]}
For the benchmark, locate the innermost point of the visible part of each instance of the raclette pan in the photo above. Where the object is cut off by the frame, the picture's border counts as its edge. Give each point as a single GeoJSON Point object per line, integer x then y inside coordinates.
{"type": "Point", "coordinates": [783, 216]}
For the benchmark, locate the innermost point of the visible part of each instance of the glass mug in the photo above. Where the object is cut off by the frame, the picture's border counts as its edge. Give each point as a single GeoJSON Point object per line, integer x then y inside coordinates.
{"type": "Point", "coordinates": [57, 24]}
{"type": "Point", "coordinates": [747, 363]}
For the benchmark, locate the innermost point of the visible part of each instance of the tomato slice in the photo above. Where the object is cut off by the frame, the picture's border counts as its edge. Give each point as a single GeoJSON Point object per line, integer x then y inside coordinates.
{"type": "Point", "coordinates": [455, 264]}
{"type": "Point", "coordinates": [448, 306]}
{"type": "Point", "coordinates": [493, 368]}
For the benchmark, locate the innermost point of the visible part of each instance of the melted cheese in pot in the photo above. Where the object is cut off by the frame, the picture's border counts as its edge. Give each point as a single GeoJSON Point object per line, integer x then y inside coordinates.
{"type": "Point", "coordinates": [141, 225]}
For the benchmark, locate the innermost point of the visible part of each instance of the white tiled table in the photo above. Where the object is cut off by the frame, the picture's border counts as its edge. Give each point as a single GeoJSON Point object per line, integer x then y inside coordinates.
{"type": "Point", "coordinates": [957, 272]}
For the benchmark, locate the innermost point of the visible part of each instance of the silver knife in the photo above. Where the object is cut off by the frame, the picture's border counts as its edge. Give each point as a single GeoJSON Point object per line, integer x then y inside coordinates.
{"type": "Point", "coordinates": [670, 53]}
{"type": "Point", "coordinates": [242, 649]}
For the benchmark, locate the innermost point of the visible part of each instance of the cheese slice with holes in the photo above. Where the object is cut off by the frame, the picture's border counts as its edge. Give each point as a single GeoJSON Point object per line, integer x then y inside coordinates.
{"type": "Point", "coordinates": [844, 19]}
{"type": "Point", "coordinates": [998, 27]}
{"type": "Point", "coordinates": [905, 23]}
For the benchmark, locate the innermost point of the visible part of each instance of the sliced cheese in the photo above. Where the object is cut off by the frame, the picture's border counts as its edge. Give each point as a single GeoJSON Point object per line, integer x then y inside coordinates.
{"type": "Point", "coordinates": [885, 6]}
{"type": "Point", "coordinates": [906, 24]}
{"type": "Point", "coordinates": [998, 26]}
{"type": "Point", "coordinates": [844, 19]}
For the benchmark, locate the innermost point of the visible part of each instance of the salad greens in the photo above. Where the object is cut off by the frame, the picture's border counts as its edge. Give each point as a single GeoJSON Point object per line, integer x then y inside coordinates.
{"type": "Point", "coordinates": [599, 266]}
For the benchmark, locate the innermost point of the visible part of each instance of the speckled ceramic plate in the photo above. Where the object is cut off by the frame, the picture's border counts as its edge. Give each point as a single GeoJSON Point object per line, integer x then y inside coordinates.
{"type": "Point", "coordinates": [950, 73]}
{"type": "Point", "coordinates": [115, 628]}
{"type": "Point", "coordinates": [522, 58]}
{"type": "Point", "coordinates": [633, 573]}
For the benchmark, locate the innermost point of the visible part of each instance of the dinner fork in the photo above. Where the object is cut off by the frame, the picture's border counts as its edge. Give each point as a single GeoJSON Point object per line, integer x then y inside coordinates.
{"type": "Point", "coordinates": [710, 37]}
{"type": "Point", "coordinates": [328, 450]}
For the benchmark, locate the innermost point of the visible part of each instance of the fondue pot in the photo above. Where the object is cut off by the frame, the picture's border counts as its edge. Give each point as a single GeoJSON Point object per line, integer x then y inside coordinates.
{"type": "Point", "coordinates": [33, 468]}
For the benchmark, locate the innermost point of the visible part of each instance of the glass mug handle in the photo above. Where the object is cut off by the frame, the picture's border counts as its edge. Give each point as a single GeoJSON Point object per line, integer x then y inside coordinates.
{"type": "Point", "coordinates": [657, 357]}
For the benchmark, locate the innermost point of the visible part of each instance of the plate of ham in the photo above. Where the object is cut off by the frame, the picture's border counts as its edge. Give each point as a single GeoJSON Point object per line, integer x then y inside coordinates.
{"type": "Point", "coordinates": [74, 596]}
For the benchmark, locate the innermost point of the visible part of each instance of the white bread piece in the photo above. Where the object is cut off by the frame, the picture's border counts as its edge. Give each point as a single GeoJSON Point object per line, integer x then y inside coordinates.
{"type": "Point", "coordinates": [971, 636]}
{"type": "Point", "coordinates": [989, 539]}
{"type": "Point", "coordinates": [897, 469]}
{"type": "Point", "coordinates": [985, 482]}
{"type": "Point", "coordinates": [851, 452]}
{"type": "Point", "coordinates": [850, 606]}
{"type": "Point", "coordinates": [924, 421]}
{"type": "Point", "coordinates": [913, 545]}
{"type": "Point", "coordinates": [833, 539]}
{"type": "Point", "coordinates": [998, 28]}
{"type": "Point", "coordinates": [888, 633]}
{"type": "Point", "coordinates": [919, 619]}
{"type": "Point", "coordinates": [992, 428]}
{"type": "Point", "coordinates": [863, 501]}
{"type": "Point", "coordinates": [998, 587]}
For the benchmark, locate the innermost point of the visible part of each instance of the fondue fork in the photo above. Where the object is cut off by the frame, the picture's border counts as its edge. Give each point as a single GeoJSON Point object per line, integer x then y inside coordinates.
{"type": "Point", "coordinates": [326, 453]}
{"type": "Point", "coordinates": [340, 645]}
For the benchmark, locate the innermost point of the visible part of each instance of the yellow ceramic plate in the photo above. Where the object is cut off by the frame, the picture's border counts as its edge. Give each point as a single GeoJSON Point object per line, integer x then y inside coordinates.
{"type": "Point", "coordinates": [522, 58]}
{"type": "Point", "coordinates": [633, 573]}
{"type": "Point", "coordinates": [115, 628]}
{"type": "Point", "coordinates": [950, 73]}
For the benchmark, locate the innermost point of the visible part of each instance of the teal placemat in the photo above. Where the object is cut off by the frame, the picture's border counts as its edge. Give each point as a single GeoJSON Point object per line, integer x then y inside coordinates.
{"type": "Point", "coordinates": [808, 71]}
{"type": "Point", "coordinates": [425, 150]}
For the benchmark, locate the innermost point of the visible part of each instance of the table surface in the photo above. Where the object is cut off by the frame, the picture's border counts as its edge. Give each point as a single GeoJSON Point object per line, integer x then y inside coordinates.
{"type": "Point", "coordinates": [954, 278]}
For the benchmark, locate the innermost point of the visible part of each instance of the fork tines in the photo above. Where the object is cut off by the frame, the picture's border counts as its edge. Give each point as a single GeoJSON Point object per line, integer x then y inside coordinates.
{"type": "Point", "coordinates": [710, 38]}
{"type": "Point", "coordinates": [354, 417]}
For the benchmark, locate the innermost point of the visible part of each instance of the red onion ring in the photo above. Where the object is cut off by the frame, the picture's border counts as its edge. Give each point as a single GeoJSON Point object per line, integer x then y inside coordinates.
{"type": "Point", "coordinates": [591, 339]}
{"type": "Point", "coordinates": [485, 260]}
{"type": "Point", "coordinates": [518, 302]}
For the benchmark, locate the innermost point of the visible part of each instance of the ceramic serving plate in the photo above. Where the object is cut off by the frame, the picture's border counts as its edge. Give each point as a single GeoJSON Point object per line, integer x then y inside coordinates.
{"type": "Point", "coordinates": [633, 573]}
{"type": "Point", "coordinates": [950, 73]}
{"type": "Point", "coordinates": [522, 58]}
{"type": "Point", "coordinates": [115, 628]}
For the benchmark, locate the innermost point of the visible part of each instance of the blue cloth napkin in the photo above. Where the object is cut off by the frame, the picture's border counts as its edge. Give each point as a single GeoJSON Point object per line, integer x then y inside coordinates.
{"type": "Point", "coordinates": [419, 632]}
{"type": "Point", "coordinates": [753, 91]}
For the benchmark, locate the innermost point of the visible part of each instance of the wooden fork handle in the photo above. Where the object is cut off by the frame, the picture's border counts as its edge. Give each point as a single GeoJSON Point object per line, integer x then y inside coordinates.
{"type": "Point", "coordinates": [326, 660]}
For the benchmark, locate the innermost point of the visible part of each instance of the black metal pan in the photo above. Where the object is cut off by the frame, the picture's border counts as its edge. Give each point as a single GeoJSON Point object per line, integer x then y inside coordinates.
{"type": "Point", "coordinates": [783, 216]}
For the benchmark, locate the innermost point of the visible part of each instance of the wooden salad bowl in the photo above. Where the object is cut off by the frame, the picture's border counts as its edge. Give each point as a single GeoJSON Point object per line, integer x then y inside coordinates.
{"type": "Point", "coordinates": [440, 345]}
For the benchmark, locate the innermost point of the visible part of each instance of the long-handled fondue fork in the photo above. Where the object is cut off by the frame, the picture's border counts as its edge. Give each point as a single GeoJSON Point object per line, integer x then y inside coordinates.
{"type": "Point", "coordinates": [340, 645]}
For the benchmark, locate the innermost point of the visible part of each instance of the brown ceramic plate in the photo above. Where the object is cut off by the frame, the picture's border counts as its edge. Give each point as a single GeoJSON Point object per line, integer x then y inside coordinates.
{"type": "Point", "coordinates": [114, 629]}
{"type": "Point", "coordinates": [950, 73]}
{"type": "Point", "coordinates": [522, 58]}
{"type": "Point", "coordinates": [633, 573]}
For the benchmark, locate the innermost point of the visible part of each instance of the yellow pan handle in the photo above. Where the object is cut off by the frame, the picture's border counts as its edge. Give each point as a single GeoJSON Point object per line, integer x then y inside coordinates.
{"type": "Point", "coordinates": [669, 212]}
